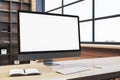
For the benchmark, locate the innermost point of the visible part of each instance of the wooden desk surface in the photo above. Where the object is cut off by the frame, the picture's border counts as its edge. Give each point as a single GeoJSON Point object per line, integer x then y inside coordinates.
{"type": "Point", "coordinates": [110, 68]}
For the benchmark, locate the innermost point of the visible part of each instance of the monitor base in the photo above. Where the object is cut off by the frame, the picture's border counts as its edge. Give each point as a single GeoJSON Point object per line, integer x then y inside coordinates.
{"type": "Point", "coordinates": [49, 62]}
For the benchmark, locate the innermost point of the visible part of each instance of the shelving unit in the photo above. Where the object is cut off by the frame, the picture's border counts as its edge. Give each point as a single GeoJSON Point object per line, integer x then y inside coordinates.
{"type": "Point", "coordinates": [8, 28]}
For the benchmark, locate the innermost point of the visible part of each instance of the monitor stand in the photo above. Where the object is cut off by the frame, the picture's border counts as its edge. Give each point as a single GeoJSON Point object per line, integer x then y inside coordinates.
{"type": "Point", "coordinates": [49, 62]}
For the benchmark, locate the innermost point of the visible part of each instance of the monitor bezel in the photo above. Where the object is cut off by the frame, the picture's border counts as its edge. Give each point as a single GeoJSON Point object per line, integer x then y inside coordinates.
{"type": "Point", "coordinates": [44, 54]}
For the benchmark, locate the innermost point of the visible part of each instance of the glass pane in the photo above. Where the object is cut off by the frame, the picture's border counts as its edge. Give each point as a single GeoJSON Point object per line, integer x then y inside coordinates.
{"type": "Point", "coordinates": [82, 9]}
{"type": "Point", "coordinates": [107, 30]}
{"type": "Point", "coordinates": [59, 11]}
{"type": "Point", "coordinates": [69, 1]}
{"type": "Point", "coordinates": [106, 7]}
{"type": "Point", "coordinates": [52, 4]}
{"type": "Point", "coordinates": [86, 31]}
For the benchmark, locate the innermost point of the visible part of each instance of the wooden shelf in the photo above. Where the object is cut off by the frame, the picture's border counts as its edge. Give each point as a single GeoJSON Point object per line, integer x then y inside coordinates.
{"type": "Point", "coordinates": [4, 45]}
{"type": "Point", "coordinates": [1, 55]}
{"type": "Point", "coordinates": [4, 32]}
{"type": "Point", "coordinates": [16, 1]}
{"type": "Point", "coordinates": [26, 3]}
{"type": "Point", "coordinates": [8, 27]}
{"type": "Point", "coordinates": [6, 22]}
{"type": "Point", "coordinates": [4, 10]}
{"type": "Point", "coordinates": [14, 33]}
{"type": "Point", "coordinates": [14, 11]}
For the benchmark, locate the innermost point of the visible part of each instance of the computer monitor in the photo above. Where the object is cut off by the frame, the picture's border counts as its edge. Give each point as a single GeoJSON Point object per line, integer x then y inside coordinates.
{"type": "Point", "coordinates": [47, 36]}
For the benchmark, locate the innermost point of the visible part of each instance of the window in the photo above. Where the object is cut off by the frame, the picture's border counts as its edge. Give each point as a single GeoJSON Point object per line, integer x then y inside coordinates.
{"type": "Point", "coordinates": [69, 1]}
{"type": "Point", "coordinates": [106, 7]}
{"type": "Point", "coordinates": [58, 11]}
{"type": "Point", "coordinates": [86, 31]}
{"type": "Point", "coordinates": [99, 19]}
{"type": "Point", "coordinates": [52, 4]}
{"type": "Point", "coordinates": [83, 9]}
{"type": "Point", "coordinates": [107, 30]}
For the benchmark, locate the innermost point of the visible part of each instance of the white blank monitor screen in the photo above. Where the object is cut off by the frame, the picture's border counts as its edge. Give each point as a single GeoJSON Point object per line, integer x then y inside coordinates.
{"type": "Point", "coordinates": [42, 32]}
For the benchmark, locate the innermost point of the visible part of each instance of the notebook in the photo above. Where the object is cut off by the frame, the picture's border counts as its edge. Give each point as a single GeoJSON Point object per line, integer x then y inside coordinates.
{"type": "Point", "coordinates": [24, 72]}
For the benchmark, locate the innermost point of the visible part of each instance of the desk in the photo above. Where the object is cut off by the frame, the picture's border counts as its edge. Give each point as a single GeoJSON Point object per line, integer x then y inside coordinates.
{"type": "Point", "coordinates": [110, 69]}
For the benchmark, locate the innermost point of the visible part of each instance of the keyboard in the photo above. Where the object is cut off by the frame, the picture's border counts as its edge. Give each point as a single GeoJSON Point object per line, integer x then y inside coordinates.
{"type": "Point", "coordinates": [72, 70]}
